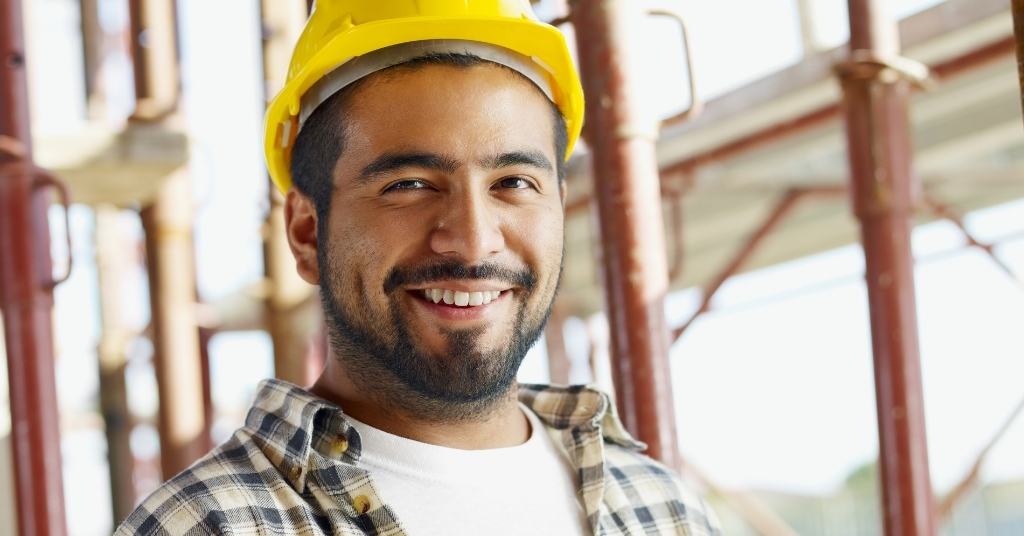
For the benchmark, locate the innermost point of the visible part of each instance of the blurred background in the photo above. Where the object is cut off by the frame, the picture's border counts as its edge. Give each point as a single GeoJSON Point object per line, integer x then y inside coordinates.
{"type": "Point", "coordinates": [182, 294]}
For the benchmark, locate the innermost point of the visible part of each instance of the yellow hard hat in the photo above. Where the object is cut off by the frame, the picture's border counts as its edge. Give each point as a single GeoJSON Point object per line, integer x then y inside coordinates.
{"type": "Point", "coordinates": [339, 31]}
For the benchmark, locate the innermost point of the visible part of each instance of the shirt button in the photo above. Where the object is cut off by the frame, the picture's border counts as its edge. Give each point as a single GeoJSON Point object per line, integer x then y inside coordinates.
{"type": "Point", "coordinates": [361, 504]}
{"type": "Point", "coordinates": [339, 446]}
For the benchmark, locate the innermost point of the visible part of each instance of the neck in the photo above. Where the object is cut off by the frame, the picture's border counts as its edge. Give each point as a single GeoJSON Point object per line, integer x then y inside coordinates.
{"type": "Point", "coordinates": [502, 425]}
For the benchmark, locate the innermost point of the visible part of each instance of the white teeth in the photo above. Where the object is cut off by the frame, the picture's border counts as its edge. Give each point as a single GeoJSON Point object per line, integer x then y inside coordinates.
{"type": "Point", "coordinates": [460, 298]}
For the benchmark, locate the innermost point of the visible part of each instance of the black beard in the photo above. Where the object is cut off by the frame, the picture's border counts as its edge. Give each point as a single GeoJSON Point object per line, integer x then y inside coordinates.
{"type": "Point", "coordinates": [380, 356]}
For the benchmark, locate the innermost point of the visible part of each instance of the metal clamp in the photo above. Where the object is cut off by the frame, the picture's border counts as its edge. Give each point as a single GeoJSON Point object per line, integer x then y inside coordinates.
{"type": "Point", "coordinates": [45, 180]}
{"type": "Point", "coordinates": [41, 179]}
{"type": "Point", "coordinates": [695, 103]}
{"type": "Point", "coordinates": [865, 64]}
{"type": "Point", "coordinates": [12, 147]}
{"type": "Point", "coordinates": [696, 106]}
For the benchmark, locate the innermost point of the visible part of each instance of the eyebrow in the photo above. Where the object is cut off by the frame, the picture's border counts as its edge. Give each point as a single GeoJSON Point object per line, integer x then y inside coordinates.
{"type": "Point", "coordinates": [516, 158]}
{"type": "Point", "coordinates": [389, 162]}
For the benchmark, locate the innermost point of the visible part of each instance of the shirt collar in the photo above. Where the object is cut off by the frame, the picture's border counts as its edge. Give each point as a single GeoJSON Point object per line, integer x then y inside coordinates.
{"type": "Point", "coordinates": [288, 422]}
{"type": "Point", "coordinates": [575, 406]}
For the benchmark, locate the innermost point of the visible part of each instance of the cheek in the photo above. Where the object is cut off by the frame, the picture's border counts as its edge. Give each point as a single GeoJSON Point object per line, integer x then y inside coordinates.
{"type": "Point", "coordinates": [371, 244]}
{"type": "Point", "coordinates": [549, 229]}
{"type": "Point", "coordinates": [541, 239]}
{"type": "Point", "coordinates": [353, 254]}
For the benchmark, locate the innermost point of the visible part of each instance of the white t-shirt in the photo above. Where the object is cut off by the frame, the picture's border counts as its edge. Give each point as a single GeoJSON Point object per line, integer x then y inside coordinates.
{"type": "Point", "coordinates": [528, 489]}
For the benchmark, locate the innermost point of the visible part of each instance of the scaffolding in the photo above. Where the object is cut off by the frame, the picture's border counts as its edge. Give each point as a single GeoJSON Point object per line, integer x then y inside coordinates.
{"type": "Point", "coordinates": [26, 294]}
{"type": "Point", "coordinates": [630, 184]}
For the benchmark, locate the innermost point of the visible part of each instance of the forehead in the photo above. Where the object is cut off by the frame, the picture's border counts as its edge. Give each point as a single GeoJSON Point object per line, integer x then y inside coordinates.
{"type": "Point", "coordinates": [465, 112]}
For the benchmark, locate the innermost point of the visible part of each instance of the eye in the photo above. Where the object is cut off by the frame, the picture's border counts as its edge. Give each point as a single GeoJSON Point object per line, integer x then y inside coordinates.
{"type": "Point", "coordinates": [406, 184]}
{"type": "Point", "coordinates": [515, 183]}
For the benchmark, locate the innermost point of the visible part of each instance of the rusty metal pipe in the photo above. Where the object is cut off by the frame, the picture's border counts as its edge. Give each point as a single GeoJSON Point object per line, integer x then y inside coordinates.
{"type": "Point", "coordinates": [153, 27]}
{"type": "Point", "coordinates": [944, 211]}
{"type": "Point", "coordinates": [778, 214]}
{"type": "Point", "coordinates": [1018, 32]}
{"type": "Point", "coordinates": [883, 194]}
{"type": "Point", "coordinates": [167, 223]}
{"type": "Point", "coordinates": [626, 187]}
{"type": "Point", "coordinates": [93, 45]}
{"type": "Point", "coordinates": [677, 224]}
{"type": "Point", "coordinates": [282, 22]}
{"type": "Point", "coordinates": [184, 430]}
{"type": "Point", "coordinates": [26, 299]}
{"type": "Point", "coordinates": [559, 363]}
{"type": "Point", "coordinates": [111, 263]}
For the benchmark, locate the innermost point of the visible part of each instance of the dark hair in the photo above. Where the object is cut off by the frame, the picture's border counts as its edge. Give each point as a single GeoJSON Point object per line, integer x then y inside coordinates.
{"type": "Point", "coordinates": [322, 138]}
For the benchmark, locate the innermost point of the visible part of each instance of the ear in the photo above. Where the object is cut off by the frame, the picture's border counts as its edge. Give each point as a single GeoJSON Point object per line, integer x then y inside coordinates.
{"type": "Point", "coordinates": [563, 191]}
{"type": "Point", "coordinates": [300, 225]}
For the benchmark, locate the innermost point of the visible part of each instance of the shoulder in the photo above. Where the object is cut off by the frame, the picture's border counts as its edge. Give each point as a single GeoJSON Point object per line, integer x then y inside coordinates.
{"type": "Point", "coordinates": [230, 488]}
{"type": "Point", "coordinates": [639, 487]}
{"type": "Point", "coordinates": [637, 492]}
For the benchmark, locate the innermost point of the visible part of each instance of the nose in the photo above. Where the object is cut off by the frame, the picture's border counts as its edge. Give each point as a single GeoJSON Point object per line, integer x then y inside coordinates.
{"type": "Point", "coordinates": [469, 229]}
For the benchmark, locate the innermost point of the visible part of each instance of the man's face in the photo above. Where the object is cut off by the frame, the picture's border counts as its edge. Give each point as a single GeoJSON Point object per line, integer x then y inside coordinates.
{"type": "Point", "coordinates": [443, 245]}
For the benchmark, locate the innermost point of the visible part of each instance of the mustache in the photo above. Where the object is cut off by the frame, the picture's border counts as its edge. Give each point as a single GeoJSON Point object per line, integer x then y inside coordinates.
{"type": "Point", "coordinates": [401, 276]}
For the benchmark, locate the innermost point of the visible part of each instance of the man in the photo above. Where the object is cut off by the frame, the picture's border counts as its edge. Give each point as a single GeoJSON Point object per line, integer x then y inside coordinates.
{"type": "Point", "coordinates": [422, 150]}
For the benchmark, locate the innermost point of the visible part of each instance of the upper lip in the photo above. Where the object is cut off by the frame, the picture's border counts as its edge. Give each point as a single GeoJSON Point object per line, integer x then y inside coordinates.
{"type": "Point", "coordinates": [463, 286]}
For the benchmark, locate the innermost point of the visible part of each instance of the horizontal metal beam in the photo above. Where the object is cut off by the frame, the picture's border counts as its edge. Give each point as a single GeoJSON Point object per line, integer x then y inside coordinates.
{"type": "Point", "coordinates": [824, 115]}
{"type": "Point", "coordinates": [917, 30]}
{"type": "Point", "coordinates": [949, 68]}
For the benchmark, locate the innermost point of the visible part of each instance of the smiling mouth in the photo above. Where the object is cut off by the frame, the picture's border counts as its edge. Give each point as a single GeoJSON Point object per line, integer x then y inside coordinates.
{"type": "Point", "coordinates": [458, 298]}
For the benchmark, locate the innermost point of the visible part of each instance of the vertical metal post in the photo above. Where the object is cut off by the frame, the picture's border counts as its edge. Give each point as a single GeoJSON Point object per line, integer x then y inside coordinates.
{"type": "Point", "coordinates": [883, 190]}
{"type": "Point", "coordinates": [154, 57]}
{"type": "Point", "coordinates": [93, 49]}
{"type": "Point", "coordinates": [170, 263]}
{"type": "Point", "coordinates": [559, 364]}
{"type": "Point", "coordinates": [176, 354]}
{"type": "Point", "coordinates": [626, 187]}
{"type": "Point", "coordinates": [111, 262]}
{"type": "Point", "coordinates": [282, 24]}
{"type": "Point", "coordinates": [1018, 31]}
{"type": "Point", "coordinates": [808, 29]}
{"type": "Point", "coordinates": [26, 299]}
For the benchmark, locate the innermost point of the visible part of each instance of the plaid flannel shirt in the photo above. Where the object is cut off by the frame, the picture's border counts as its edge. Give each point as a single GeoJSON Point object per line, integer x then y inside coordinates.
{"type": "Point", "coordinates": [293, 468]}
